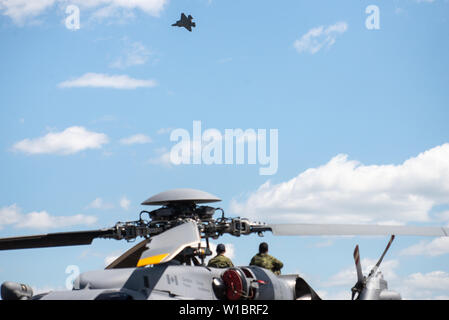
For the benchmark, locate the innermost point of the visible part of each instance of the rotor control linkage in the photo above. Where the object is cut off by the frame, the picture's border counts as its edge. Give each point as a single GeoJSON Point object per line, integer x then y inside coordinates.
{"type": "Point", "coordinates": [130, 230]}
{"type": "Point", "coordinates": [235, 227]}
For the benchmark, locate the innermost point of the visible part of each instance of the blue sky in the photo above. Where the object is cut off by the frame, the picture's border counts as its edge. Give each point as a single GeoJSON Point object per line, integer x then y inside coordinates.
{"type": "Point", "coordinates": [86, 116]}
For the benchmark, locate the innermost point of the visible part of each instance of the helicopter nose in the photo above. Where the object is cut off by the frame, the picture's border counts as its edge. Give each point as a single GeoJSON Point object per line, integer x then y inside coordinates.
{"type": "Point", "coordinates": [16, 291]}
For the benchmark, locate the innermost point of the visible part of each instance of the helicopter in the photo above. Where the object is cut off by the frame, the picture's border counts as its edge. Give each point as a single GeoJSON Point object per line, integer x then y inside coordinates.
{"type": "Point", "coordinates": [169, 263]}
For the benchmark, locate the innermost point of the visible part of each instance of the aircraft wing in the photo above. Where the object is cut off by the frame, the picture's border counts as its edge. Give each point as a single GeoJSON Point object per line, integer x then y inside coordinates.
{"type": "Point", "coordinates": [355, 229]}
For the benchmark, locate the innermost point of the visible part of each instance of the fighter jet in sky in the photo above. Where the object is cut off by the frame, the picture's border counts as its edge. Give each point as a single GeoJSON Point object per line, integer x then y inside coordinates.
{"type": "Point", "coordinates": [185, 22]}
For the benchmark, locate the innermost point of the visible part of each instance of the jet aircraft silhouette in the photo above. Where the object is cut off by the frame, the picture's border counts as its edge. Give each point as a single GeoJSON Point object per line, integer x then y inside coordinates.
{"type": "Point", "coordinates": [185, 22]}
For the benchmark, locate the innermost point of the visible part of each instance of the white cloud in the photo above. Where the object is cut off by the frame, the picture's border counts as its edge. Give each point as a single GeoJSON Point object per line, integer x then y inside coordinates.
{"type": "Point", "coordinates": [13, 216]}
{"type": "Point", "coordinates": [111, 258]}
{"type": "Point", "coordinates": [317, 38]}
{"type": "Point", "coordinates": [69, 141]}
{"type": "Point", "coordinates": [436, 247]}
{"type": "Point", "coordinates": [134, 54]}
{"type": "Point", "coordinates": [346, 191]}
{"type": "Point", "coordinates": [162, 158]}
{"type": "Point", "coordinates": [151, 7]}
{"type": "Point", "coordinates": [136, 139]}
{"type": "Point", "coordinates": [435, 280]}
{"type": "Point", "coordinates": [124, 203]}
{"type": "Point", "coordinates": [99, 80]}
{"type": "Point", "coordinates": [99, 203]}
{"type": "Point", "coordinates": [21, 11]}
{"type": "Point", "coordinates": [10, 215]}
{"type": "Point", "coordinates": [43, 220]}
{"type": "Point", "coordinates": [442, 216]}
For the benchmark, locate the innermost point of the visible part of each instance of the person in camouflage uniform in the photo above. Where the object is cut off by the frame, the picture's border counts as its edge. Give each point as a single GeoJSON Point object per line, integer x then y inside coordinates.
{"type": "Point", "coordinates": [264, 260]}
{"type": "Point", "coordinates": [220, 260]}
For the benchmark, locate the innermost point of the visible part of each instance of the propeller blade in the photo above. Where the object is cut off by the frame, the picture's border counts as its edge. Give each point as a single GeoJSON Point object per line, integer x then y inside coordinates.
{"type": "Point", "coordinates": [53, 239]}
{"type": "Point", "coordinates": [358, 265]}
{"type": "Point", "coordinates": [358, 287]}
{"type": "Point", "coordinates": [355, 229]}
{"type": "Point", "coordinates": [374, 269]}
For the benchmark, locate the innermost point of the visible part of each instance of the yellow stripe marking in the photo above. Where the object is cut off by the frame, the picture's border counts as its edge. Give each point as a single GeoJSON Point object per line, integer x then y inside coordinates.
{"type": "Point", "coordinates": [151, 260]}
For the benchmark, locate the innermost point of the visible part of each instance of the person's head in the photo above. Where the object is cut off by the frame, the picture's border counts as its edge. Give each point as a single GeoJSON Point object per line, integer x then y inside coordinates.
{"type": "Point", "coordinates": [263, 247]}
{"type": "Point", "coordinates": [221, 248]}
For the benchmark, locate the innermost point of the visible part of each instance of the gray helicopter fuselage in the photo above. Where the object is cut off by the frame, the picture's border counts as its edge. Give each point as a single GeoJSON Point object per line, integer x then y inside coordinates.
{"type": "Point", "coordinates": [170, 281]}
{"type": "Point", "coordinates": [376, 288]}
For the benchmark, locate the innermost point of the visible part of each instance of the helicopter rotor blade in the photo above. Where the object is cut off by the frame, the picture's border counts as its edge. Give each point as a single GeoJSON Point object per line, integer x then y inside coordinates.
{"type": "Point", "coordinates": [355, 229]}
{"type": "Point", "coordinates": [53, 239]}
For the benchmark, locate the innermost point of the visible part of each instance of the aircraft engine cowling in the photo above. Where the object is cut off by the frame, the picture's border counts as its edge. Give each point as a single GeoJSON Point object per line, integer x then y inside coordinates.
{"type": "Point", "coordinates": [236, 284]}
{"type": "Point", "coordinates": [255, 283]}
